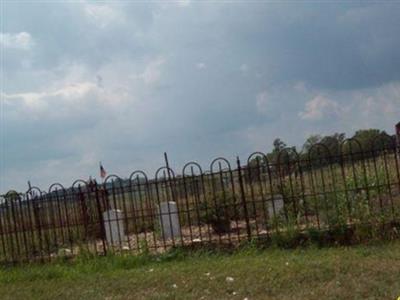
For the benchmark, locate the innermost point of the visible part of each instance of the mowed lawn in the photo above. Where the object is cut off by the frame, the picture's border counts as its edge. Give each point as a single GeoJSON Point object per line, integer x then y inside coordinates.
{"type": "Point", "coordinates": [358, 272]}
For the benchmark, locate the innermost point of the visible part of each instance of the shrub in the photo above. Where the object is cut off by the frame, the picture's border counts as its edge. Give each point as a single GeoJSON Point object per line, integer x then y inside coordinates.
{"type": "Point", "coordinates": [218, 210]}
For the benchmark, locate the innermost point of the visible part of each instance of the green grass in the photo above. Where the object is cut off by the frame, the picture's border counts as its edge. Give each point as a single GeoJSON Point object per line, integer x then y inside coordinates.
{"type": "Point", "coordinates": [359, 272]}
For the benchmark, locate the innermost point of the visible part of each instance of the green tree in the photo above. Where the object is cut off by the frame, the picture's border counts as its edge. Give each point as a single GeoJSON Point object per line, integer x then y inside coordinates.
{"type": "Point", "coordinates": [279, 145]}
{"type": "Point", "coordinates": [333, 143]}
{"type": "Point", "coordinates": [371, 139]}
{"type": "Point", "coordinates": [312, 140]}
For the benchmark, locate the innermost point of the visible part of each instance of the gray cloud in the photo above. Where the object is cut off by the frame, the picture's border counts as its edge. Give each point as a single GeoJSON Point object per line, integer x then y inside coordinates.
{"type": "Point", "coordinates": [123, 82]}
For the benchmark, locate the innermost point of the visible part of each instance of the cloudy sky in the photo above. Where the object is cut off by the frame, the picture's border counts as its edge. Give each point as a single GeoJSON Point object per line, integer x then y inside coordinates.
{"type": "Point", "coordinates": [122, 82]}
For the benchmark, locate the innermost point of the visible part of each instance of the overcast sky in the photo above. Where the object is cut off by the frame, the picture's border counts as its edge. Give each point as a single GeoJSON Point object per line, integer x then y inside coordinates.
{"type": "Point", "coordinates": [83, 82]}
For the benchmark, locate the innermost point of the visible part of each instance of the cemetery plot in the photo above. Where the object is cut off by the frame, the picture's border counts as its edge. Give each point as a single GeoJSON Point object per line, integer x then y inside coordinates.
{"type": "Point", "coordinates": [225, 206]}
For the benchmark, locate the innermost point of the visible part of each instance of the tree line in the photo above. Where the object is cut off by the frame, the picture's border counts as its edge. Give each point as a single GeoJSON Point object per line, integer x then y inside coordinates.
{"type": "Point", "coordinates": [364, 143]}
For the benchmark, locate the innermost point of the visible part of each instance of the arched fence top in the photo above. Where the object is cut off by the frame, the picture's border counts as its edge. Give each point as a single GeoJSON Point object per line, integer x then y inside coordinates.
{"type": "Point", "coordinates": [350, 141]}
{"type": "Point", "coordinates": [288, 151]}
{"type": "Point", "coordinates": [254, 154]}
{"type": "Point", "coordinates": [191, 164]}
{"type": "Point", "coordinates": [169, 170]}
{"type": "Point", "coordinates": [35, 192]}
{"type": "Point", "coordinates": [11, 193]}
{"type": "Point", "coordinates": [316, 147]}
{"type": "Point", "coordinates": [79, 182]}
{"type": "Point", "coordinates": [137, 173]}
{"type": "Point", "coordinates": [219, 160]}
{"type": "Point", "coordinates": [11, 197]}
{"type": "Point", "coordinates": [54, 186]}
{"type": "Point", "coordinates": [113, 178]}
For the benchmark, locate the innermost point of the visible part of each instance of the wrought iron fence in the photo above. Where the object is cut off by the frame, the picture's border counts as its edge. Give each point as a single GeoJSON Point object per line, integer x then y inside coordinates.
{"type": "Point", "coordinates": [227, 204]}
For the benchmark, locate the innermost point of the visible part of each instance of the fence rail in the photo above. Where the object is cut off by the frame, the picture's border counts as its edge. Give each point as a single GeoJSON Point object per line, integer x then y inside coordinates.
{"type": "Point", "coordinates": [228, 204]}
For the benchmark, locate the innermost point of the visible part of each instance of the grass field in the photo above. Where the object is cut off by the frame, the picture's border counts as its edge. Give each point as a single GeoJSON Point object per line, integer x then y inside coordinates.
{"type": "Point", "coordinates": [358, 272]}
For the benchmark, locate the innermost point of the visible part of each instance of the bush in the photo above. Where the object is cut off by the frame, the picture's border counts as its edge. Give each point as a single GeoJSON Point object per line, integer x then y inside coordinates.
{"type": "Point", "coordinates": [218, 210]}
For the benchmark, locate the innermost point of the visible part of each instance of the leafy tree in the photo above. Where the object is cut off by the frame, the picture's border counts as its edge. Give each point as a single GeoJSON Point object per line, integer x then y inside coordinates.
{"type": "Point", "coordinates": [11, 196]}
{"type": "Point", "coordinates": [312, 140]}
{"type": "Point", "coordinates": [332, 143]}
{"type": "Point", "coordinates": [279, 145]}
{"type": "Point", "coordinates": [371, 139]}
{"type": "Point", "coordinates": [282, 157]}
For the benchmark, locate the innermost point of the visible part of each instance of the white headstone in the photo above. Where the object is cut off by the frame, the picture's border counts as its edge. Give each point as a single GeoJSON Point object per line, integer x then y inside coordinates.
{"type": "Point", "coordinates": [114, 227]}
{"type": "Point", "coordinates": [277, 202]}
{"type": "Point", "coordinates": [169, 220]}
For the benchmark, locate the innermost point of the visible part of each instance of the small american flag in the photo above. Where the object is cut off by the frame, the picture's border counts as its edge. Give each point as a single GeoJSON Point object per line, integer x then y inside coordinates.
{"type": "Point", "coordinates": [103, 172]}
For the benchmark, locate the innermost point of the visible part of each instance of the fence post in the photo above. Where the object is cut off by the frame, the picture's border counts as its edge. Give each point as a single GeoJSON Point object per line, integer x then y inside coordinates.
{"type": "Point", "coordinates": [243, 198]}
{"type": "Point", "coordinates": [100, 213]}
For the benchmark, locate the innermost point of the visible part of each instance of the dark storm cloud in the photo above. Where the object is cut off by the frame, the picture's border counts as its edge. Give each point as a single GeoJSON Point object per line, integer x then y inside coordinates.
{"type": "Point", "coordinates": [123, 82]}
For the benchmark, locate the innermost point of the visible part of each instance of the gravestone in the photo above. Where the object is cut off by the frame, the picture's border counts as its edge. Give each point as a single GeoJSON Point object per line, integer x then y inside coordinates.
{"type": "Point", "coordinates": [114, 227]}
{"type": "Point", "coordinates": [278, 203]}
{"type": "Point", "coordinates": [169, 220]}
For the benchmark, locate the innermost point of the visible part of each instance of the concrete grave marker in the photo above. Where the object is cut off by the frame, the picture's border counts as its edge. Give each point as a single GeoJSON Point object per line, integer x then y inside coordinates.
{"type": "Point", "coordinates": [278, 203]}
{"type": "Point", "coordinates": [114, 227]}
{"type": "Point", "coordinates": [169, 220]}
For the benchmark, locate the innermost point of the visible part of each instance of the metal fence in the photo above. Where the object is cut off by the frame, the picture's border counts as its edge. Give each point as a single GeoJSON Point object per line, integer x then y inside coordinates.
{"type": "Point", "coordinates": [230, 203]}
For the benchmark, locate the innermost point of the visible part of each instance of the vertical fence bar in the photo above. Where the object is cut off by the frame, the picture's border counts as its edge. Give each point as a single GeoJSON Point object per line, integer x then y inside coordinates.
{"type": "Point", "coordinates": [243, 198]}
{"type": "Point", "coordinates": [101, 220]}
{"type": "Point", "coordinates": [38, 226]}
{"type": "Point", "coordinates": [217, 212]}
{"type": "Point", "coordinates": [66, 212]}
{"type": "Point", "coordinates": [144, 209]}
